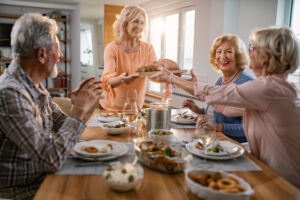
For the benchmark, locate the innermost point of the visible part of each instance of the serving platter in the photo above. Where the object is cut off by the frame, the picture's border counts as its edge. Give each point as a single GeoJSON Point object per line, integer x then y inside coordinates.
{"type": "Point", "coordinates": [144, 74]}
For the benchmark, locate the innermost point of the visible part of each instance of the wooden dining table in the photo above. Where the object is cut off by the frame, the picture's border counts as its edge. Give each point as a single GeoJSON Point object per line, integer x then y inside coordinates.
{"type": "Point", "coordinates": [155, 185]}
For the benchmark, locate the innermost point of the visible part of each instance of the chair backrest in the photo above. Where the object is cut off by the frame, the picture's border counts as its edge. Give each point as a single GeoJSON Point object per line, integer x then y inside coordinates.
{"type": "Point", "coordinates": [64, 103]}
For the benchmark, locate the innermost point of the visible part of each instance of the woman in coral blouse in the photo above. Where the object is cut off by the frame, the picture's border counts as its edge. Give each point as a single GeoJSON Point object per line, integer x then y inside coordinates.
{"type": "Point", "coordinates": [269, 104]}
{"type": "Point", "coordinates": [123, 56]}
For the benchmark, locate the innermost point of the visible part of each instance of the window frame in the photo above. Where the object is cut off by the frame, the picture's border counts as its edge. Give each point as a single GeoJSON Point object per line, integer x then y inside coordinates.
{"type": "Point", "coordinates": [297, 72]}
{"type": "Point", "coordinates": [91, 28]}
{"type": "Point", "coordinates": [180, 47]}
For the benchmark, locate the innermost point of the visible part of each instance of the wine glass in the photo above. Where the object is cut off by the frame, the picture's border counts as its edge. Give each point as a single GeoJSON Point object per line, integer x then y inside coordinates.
{"type": "Point", "coordinates": [167, 96]}
{"type": "Point", "coordinates": [130, 110]}
{"type": "Point", "coordinates": [205, 132]}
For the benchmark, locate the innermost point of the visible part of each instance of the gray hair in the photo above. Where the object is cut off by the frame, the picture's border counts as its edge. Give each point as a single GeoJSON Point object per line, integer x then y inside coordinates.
{"type": "Point", "coordinates": [30, 32]}
{"type": "Point", "coordinates": [280, 46]}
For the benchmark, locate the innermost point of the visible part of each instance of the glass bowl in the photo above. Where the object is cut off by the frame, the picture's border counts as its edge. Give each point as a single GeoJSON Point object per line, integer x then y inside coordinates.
{"type": "Point", "coordinates": [165, 158]}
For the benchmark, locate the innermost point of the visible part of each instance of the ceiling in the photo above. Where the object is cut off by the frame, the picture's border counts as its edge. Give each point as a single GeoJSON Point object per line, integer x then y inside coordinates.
{"type": "Point", "coordinates": [92, 9]}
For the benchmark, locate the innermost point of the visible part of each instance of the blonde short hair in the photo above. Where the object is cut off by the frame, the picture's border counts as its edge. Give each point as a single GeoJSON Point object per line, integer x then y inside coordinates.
{"type": "Point", "coordinates": [129, 14]}
{"type": "Point", "coordinates": [241, 55]}
{"type": "Point", "coordinates": [280, 45]}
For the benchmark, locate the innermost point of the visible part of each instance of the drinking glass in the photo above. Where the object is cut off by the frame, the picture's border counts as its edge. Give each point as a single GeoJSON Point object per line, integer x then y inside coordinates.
{"type": "Point", "coordinates": [167, 98]}
{"type": "Point", "coordinates": [205, 132]}
{"type": "Point", "coordinates": [130, 110]}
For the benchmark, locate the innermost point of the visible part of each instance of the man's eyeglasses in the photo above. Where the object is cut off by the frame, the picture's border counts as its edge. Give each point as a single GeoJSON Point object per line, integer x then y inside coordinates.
{"type": "Point", "coordinates": [251, 48]}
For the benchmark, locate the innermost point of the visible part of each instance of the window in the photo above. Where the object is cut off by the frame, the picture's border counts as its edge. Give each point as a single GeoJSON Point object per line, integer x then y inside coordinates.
{"type": "Point", "coordinates": [86, 45]}
{"type": "Point", "coordinates": [295, 18]}
{"type": "Point", "coordinates": [188, 43]}
{"type": "Point", "coordinates": [172, 36]}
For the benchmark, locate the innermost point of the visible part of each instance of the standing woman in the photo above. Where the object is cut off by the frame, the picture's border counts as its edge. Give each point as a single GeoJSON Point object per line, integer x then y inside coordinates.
{"type": "Point", "coordinates": [269, 103]}
{"type": "Point", "coordinates": [228, 55]}
{"type": "Point", "coordinates": [123, 56]}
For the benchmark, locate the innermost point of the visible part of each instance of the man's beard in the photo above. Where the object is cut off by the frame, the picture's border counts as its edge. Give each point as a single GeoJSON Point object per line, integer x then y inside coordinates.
{"type": "Point", "coordinates": [54, 72]}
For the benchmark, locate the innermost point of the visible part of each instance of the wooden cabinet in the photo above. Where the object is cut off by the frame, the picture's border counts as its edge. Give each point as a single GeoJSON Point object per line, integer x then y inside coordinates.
{"type": "Point", "coordinates": [61, 83]}
{"type": "Point", "coordinates": [110, 13]}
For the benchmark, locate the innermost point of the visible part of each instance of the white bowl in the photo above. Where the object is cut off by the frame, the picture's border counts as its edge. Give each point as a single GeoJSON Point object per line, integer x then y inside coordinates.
{"type": "Point", "coordinates": [167, 139]}
{"type": "Point", "coordinates": [204, 192]}
{"type": "Point", "coordinates": [114, 131]}
{"type": "Point", "coordinates": [123, 182]}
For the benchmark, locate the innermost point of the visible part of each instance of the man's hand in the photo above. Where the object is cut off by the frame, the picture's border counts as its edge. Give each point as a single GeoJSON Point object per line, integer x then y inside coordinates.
{"type": "Point", "coordinates": [85, 96]}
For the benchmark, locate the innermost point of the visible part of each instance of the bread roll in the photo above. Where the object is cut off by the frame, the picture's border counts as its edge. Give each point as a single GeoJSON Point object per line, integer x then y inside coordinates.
{"type": "Point", "coordinates": [167, 63]}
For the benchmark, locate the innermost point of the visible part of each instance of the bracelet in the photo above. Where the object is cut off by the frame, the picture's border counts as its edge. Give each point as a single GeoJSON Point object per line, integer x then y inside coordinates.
{"type": "Point", "coordinates": [171, 76]}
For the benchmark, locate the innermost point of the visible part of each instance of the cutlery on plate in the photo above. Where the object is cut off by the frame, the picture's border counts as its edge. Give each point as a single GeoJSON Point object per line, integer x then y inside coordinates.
{"type": "Point", "coordinates": [217, 139]}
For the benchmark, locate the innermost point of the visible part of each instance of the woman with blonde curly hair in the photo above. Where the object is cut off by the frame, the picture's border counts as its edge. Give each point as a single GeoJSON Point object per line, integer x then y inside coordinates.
{"type": "Point", "coordinates": [269, 104]}
{"type": "Point", "coordinates": [228, 55]}
{"type": "Point", "coordinates": [123, 56]}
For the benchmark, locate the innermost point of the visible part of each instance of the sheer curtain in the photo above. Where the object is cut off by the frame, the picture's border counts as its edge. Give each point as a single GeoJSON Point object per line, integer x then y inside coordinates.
{"type": "Point", "coordinates": [86, 44]}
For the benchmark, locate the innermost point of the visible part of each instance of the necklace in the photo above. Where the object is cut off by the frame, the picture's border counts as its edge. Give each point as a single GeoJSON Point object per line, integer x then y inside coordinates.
{"type": "Point", "coordinates": [231, 78]}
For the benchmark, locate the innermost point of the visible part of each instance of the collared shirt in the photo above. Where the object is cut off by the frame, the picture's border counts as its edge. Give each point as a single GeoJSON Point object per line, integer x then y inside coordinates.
{"type": "Point", "coordinates": [35, 135]}
{"type": "Point", "coordinates": [271, 115]}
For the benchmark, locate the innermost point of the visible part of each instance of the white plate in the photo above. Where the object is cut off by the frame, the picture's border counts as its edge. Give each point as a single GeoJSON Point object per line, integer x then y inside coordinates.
{"type": "Point", "coordinates": [175, 119]}
{"type": "Point", "coordinates": [79, 148]}
{"type": "Point", "coordinates": [114, 131]}
{"type": "Point", "coordinates": [193, 150]}
{"type": "Point", "coordinates": [103, 118]}
{"type": "Point", "coordinates": [228, 146]}
{"type": "Point", "coordinates": [119, 150]}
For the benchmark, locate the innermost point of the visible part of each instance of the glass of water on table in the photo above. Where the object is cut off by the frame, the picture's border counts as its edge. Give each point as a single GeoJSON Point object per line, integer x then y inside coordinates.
{"type": "Point", "coordinates": [205, 132]}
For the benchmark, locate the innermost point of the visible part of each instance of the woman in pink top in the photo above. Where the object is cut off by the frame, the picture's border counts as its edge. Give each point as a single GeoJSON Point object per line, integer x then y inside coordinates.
{"type": "Point", "coordinates": [123, 56]}
{"type": "Point", "coordinates": [269, 104]}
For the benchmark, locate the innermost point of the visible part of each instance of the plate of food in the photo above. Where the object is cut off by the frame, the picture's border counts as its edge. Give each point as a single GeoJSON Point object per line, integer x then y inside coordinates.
{"type": "Point", "coordinates": [149, 68]}
{"type": "Point", "coordinates": [221, 148]}
{"type": "Point", "coordinates": [115, 127]}
{"type": "Point", "coordinates": [118, 149]}
{"type": "Point", "coordinates": [159, 156]}
{"type": "Point", "coordinates": [107, 117]}
{"type": "Point", "coordinates": [230, 150]}
{"type": "Point", "coordinates": [213, 185]}
{"type": "Point", "coordinates": [184, 118]}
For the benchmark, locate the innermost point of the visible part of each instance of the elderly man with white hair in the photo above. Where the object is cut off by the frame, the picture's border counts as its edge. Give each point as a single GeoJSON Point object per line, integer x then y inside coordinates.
{"type": "Point", "coordinates": [35, 135]}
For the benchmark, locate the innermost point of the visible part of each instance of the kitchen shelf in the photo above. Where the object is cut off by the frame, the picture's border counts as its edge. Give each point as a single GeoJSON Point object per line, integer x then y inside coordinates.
{"type": "Point", "coordinates": [5, 59]}
{"type": "Point", "coordinates": [53, 85]}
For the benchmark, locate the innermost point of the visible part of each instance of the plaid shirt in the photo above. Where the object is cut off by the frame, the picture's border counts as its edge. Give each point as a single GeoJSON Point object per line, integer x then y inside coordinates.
{"type": "Point", "coordinates": [28, 149]}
